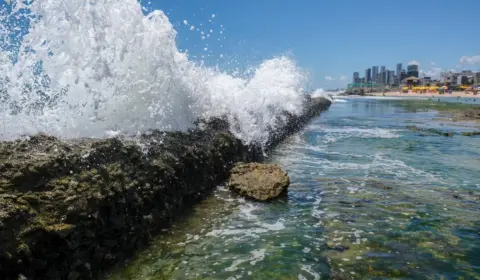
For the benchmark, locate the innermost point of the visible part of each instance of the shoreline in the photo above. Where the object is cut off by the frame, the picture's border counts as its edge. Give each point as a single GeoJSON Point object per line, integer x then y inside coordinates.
{"type": "Point", "coordinates": [428, 94]}
{"type": "Point", "coordinates": [456, 107]}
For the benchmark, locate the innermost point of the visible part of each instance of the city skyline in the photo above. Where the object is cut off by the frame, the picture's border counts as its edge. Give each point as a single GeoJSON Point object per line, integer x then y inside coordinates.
{"type": "Point", "coordinates": [430, 69]}
{"type": "Point", "coordinates": [387, 76]}
{"type": "Point", "coordinates": [401, 76]}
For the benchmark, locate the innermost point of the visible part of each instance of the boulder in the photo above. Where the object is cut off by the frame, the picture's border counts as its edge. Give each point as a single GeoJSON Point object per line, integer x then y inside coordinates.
{"type": "Point", "coordinates": [258, 181]}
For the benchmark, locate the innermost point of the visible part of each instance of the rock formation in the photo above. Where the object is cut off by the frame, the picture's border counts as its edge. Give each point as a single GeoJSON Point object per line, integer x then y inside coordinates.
{"type": "Point", "coordinates": [258, 181]}
{"type": "Point", "coordinates": [69, 209]}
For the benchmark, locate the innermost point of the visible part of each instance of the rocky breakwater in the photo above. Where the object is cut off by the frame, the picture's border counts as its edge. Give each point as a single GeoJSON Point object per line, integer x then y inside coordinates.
{"type": "Point", "coordinates": [69, 209]}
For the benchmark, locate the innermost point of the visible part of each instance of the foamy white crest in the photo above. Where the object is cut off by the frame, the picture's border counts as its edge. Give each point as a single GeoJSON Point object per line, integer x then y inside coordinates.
{"type": "Point", "coordinates": [335, 134]}
{"type": "Point", "coordinates": [108, 67]}
{"type": "Point", "coordinates": [321, 93]}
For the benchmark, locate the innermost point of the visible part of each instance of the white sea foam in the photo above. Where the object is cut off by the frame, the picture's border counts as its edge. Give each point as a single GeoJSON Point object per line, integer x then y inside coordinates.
{"type": "Point", "coordinates": [279, 225]}
{"type": "Point", "coordinates": [105, 66]}
{"type": "Point", "coordinates": [317, 213]}
{"type": "Point", "coordinates": [309, 270]}
{"type": "Point", "coordinates": [246, 211]}
{"type": "Point", "coordinates": [321, 93]}
{"type": "Point", "coordinates": [256, 256]}
{"type": "Point", "coordinates": [335, 134]}
{"type": "Point", "coordinates": [376, 165]}
{"type": "Point", "coordinates": [259, 228]}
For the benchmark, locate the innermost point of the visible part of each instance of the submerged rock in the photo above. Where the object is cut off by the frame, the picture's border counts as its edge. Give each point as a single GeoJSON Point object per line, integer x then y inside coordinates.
{"type": "Point", "coordinates": [471, 133]}
{"type": "Point", "coordinates": [430, 131]}
{"type": "Point", "coordinates": [433, 131]}
{"type": "Point", "coordinates": [258, 181]}
{"type": "Point", "coordinates": [473, 113]}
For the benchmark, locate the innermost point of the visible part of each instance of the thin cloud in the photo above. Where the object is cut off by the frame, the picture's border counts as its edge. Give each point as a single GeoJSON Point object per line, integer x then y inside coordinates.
{"type": "Point", "coordinates": [433, 72]}
{"type": "Point", "coordinates": [413, 62]}
{"type": "Point", "coordinates": [470, 60]}
{"type": "Point", "coordinates": [343, 78]}
{"type": "Point", "coordinates": [329, 78]}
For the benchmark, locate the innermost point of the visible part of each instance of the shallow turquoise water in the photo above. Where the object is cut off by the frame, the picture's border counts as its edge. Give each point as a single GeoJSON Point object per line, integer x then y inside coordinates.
{"type": "Point", "coordinates": [369, 199]}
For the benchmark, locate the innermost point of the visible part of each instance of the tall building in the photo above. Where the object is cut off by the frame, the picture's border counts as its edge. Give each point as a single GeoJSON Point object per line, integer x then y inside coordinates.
{"type": "Point", "coordinates": [477, 78]}
{"type": "Point", "coordinates": [403, 76]}
{"type": "Point", "coordinates": [382, 69]}
{"type": "Point", "coordinates": [374, 73]}
{"type": "Point", "coordinates": [399, 69]}
{"type": "Point", "coordinates": [368, 75]}
{"type": "Point", "coordinates": [412, 70]}
{"type": "Point", "coordinates": [356, 77]}
{"type": "Point", "coordinates": [383, 77]}
{"type": "Point", "coordinates": [391, 77]}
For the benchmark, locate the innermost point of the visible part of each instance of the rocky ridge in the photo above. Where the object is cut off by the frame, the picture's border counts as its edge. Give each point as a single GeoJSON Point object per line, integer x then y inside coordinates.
{"type": "Point", "coordinates": [70, 209]}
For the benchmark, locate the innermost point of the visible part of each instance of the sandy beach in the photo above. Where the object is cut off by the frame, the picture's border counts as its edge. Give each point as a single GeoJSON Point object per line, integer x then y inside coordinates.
{"type": "Point", "coordinates": [429, 94]}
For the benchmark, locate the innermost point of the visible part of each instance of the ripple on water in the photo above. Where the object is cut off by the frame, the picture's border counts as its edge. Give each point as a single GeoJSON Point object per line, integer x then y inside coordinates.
{"type": "Point", "coordinates": [376, 202]}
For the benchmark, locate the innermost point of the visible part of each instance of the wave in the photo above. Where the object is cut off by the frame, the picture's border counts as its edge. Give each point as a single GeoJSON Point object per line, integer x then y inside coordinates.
{"type": "Point", "coordinates": [99, 68]}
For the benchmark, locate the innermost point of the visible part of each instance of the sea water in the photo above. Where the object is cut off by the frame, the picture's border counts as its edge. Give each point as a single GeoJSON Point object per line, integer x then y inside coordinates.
{"type": "Point", "coordinates": [369, 199]}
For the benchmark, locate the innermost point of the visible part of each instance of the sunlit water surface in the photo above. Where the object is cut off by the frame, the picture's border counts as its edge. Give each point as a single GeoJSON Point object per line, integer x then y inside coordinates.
{"type": "Point", "coordinates": [369, 199]}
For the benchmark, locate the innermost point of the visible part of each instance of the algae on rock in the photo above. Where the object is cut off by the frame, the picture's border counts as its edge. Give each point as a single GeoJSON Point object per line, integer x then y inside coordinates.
{"type": "Point", "coordinates": [69, 209]}
{"type": "Point", "coordinates": [258, 181]}
{"type": "Point", "coordinates": [79, 205]}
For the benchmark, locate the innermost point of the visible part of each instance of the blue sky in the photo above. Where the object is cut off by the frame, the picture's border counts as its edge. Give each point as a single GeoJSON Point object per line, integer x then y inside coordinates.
{"type": "Point", "coordinates": [332, 38]}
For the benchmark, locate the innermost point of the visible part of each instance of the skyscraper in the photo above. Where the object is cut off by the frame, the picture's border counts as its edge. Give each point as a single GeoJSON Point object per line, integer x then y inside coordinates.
{"type": "Point", "coordinates": [383, 75]}
{"type": "Point", "coordinates": [399, 69]}
{"type": "Point", "coordinates": [403, 75]}
{"type": "Point", "coordinates": [374, 73]}
{"type": "Point", "coordinates": [356, 77]}
{"type": "Point", "coordinates": [412, 70]}
{"type": "Point", "coordinates": [391, 77]}
{"type": "Point", "coordinates": [368, 75]}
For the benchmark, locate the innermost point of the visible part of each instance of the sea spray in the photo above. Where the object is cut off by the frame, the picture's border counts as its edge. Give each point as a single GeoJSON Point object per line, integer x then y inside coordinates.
{"type": "Point", "coordinates": [90, 68]}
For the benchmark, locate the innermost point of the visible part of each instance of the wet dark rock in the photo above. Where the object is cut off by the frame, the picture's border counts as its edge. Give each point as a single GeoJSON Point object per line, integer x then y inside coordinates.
{"type": "Point", "coordinates": [336, 247]}
{"type": "Point", "coordinates": [469, 196]}
{"type": "Point", "coordinates": [471, 133]}
{"type": "Point", "coordinates": [378, 184]}
{"type": "Point", "coordinates": [71, 202]}
{"type": "Point", "coordinates": [295, 123]}
{"type": "Point", "coordinates": [430, 131]}
{"type": "Point", "coordinates": [258, 181]}
{"type": "Point", "coordinates": [69, 209]}
{"type": "Point", "coordinates": [457, 196]}
{"type": "Point", "coordinates": [473, 113]}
